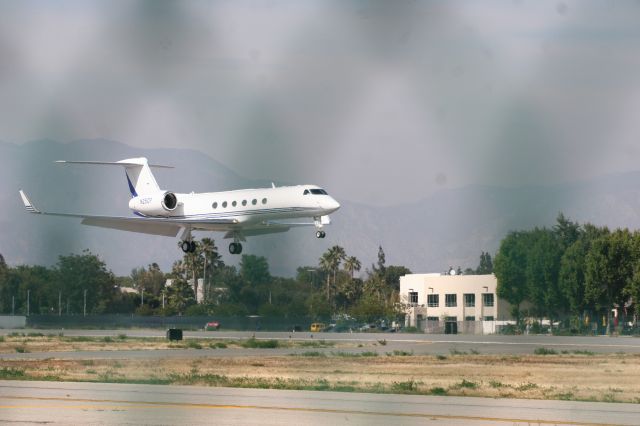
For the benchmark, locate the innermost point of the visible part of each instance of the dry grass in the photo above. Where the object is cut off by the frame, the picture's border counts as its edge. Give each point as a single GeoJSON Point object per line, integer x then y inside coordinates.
{"type": "Point", "coordinates": [592, 377]}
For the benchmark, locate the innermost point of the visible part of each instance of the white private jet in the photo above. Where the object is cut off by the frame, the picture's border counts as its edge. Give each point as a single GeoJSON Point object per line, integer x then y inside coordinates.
{"type": "Point", "coordinates": [242, 213]}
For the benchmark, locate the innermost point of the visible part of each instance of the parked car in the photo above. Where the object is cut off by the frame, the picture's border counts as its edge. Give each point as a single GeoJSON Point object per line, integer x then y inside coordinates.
{"type": "Point", "coordinates": [317, 327]}
{"type": "Point", "coordinates": [212, 326]}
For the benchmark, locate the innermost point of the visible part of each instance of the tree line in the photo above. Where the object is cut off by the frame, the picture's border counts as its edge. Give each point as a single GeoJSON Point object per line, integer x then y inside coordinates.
{"type": "Point", "coordinates": [80, 283]}
{"type": "Point", "coordinates": [570, 271]}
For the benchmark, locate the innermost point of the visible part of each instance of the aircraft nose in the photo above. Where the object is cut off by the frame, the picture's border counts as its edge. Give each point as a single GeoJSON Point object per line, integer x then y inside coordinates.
{"type": "Point", "coordinates": [332, 204]}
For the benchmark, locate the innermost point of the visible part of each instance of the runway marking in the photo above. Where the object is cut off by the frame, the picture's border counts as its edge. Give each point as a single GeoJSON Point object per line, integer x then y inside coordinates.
{"type": "Point", "coordinates": [94, 404]}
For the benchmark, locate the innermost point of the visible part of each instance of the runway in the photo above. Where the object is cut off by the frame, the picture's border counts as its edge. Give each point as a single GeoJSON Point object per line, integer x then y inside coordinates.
{"type": "Point", "coordinates": [418, 344]}
{"type": "Point", "coordinates": [96, 403]}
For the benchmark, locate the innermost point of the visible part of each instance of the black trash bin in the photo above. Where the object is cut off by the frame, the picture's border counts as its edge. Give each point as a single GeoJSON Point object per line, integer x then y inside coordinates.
{"type": "Point", "coordinates": [174, 334]}
{"type": "Point", "coordinates": [451, 327]}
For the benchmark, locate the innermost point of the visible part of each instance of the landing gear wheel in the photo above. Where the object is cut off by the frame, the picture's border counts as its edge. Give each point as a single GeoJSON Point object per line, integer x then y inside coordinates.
{"type": "Point", "coordinates": [235, 248]}
{"type": "Point", "coordinates": [324, 234]}
{"type": "Point", "coordinates": [320, 234]}
{"type": "Point", "coordinates": [185, 246]}
{"type": "Point", "coordinates": [192, 247]}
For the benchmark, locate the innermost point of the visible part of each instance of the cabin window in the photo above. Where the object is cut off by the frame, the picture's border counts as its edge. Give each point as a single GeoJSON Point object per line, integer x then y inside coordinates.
{"type": "Point", "coordinates": [264, 201]}
{"type": "Point", "coordinates": [244, 202]}
{"type": "Point", "coordinates": [234, 204]}
{"type": "Point", "coordinates": [224, 204]}
{"type": "Point", "coordinates": [254, 201]}
{"type": "Point", "coordinates": [215, 205]}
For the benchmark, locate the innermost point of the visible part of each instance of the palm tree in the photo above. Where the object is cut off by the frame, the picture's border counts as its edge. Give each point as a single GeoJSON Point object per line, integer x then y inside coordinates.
{"type": "Point", "coordinates": [351, 264]}
{"type": "Point", "coordinates": [209, 251]}
{"type": "Point", "coordinates": [330, 262]}
{"type": "Point", "coordinates": [326, 265]}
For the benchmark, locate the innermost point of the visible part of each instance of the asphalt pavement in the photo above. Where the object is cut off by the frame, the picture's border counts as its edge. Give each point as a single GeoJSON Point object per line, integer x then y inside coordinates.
{"type": "Point", "coordinates": [97, 403]}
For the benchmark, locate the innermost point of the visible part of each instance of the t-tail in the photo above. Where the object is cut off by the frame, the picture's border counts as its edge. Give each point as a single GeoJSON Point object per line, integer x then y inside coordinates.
{"type": "Point", "coordinates": [138, 171]}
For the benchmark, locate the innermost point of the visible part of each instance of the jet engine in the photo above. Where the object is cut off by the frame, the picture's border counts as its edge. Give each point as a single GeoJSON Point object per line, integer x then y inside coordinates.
{"type": "Point", "coordinates": [159, 204]}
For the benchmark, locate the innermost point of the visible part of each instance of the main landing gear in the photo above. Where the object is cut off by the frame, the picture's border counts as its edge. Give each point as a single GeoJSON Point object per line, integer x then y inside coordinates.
{"type": "Point", "coordinates": [188, 246]}
{"type": "Point", "coordinates": [320, 234]}
{"type": "Point", "coordinates": [235, 248]}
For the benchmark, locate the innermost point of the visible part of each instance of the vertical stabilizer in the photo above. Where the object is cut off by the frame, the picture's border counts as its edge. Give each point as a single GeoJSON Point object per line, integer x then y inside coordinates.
{"type": "Point", "coordinates": [139, 177]}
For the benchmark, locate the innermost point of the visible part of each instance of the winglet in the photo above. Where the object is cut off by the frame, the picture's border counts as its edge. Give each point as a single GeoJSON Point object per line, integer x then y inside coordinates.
{"type": "Point", "coordinates": [27, 204]}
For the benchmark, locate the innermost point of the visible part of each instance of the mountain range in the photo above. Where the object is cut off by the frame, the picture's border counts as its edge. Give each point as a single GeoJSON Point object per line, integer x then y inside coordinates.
{"type": "Point", "coordinates": [431, 233]}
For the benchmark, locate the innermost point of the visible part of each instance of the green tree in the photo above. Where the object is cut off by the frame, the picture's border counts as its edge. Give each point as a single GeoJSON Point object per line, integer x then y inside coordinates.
{"type": "Point", "coordinates": [486, 264]}
{"type": "Point", "coordinates": [77, 273]}
{"type": "Point", "coordinates": [509, 267]}
{"type": "Point", "coordinates": [609, 267]}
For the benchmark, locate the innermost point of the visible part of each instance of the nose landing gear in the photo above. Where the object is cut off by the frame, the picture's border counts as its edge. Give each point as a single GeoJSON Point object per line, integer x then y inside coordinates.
{"type": "Point", "coordinates": [320, 234]}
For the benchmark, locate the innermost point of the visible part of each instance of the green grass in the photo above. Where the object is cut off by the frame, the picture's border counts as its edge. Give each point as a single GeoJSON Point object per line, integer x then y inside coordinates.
{"type": "Point", "coordinates": [107, 339]}
{"type": "Point", "coordinates": [584, 352]}
{"type": "Point", "coordinates": [316, 354]}
{"type": "Point", "coordinates": [260, 344]}
{"type": "Point", "coordinates": [399, 353]}
{"type": "Point", "coordinates": [441, 357]}
{"type": "Point", "coordinates": [438, 391]}
{"type": "Point", "coordinates": [315, 344]}
{"type": "Point", "coordinates": [192, 344]}
{"type": "Point", "coordinates": [11, 373]}
{"type": "Point", "coordinates": [382, 342]}
{"type": "Point", "coordinates": [21, 349]}
{"type": "Point", "coordinates": [354, 354]}
{"type": "Point", "coordinates": [35, 335]}
{"type": "Point", "coordinates": [218, 345]}
{"type": "Point", "coordinates": [456, 352]}
{"type": "Point", "coordinates": [122, 336]}
{"type": "Point", "coordinates": [409, 386]}
{"type": "Point", "coordinates": [466, 384]}
{"type": "Point", "coordinates": [545, 351]}
{"type": "Point", "coordinates": [79, 339]}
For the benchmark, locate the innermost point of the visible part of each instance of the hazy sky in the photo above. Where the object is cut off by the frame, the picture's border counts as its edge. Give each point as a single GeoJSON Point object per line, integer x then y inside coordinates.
{"type": "Point", "coordinates": [381, 102]}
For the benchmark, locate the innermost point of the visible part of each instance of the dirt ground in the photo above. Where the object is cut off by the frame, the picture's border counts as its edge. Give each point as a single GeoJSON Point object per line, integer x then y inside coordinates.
{"type": "Point", "coordinates": [568, 376]}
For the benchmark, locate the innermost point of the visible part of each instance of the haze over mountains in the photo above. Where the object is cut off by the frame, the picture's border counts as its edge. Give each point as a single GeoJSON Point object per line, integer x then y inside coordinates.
{"type": "Point", "coordinates": [450, 227]}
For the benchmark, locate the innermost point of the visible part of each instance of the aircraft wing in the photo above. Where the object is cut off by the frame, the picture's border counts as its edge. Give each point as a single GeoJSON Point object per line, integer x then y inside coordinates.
{"type": "Point", "coordinates": [168, 227]}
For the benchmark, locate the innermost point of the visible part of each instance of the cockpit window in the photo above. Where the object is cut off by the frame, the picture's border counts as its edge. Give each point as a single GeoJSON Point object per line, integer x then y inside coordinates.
{"type": "Point", "coordinates": [318, 191]}
{"type": "Point", "coordinates": [306, 192]}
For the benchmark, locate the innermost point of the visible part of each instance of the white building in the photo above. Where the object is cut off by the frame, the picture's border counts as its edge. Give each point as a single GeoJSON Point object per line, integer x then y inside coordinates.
{"type": "Point", "coordinates": [432, 300]}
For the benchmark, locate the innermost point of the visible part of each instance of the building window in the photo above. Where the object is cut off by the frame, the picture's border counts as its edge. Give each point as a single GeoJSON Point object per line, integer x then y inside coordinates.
{"type": "Point", "coordinates": [254, 201]}
{"type": "Point", "coordinates": [434, 319]}
{"type": "Point", "coordinates": [264, 201]}
{"type": "Point", "coordinates": [488, 318]}
{"type": "Point", "coordinates": [244, 202]}
{"type": "Point", "coordinates": [449, 319]}
{"type": "Point", "coordinates": [469, 300]}
{"type": "Point", "coordinates": [470, 318]}
{"type": "Point", "coordinates": [215, 205]}
{"type": "Point", "coordinates": [450, 300]}
{"type": "Point", "coordinates": [413, 297]}
{"type": "Point", "coordinates": [487, 299]}
{"type": "Point", "coordinates": [224, 204]}
{"type": "Point", "coordinates": [433, 300]}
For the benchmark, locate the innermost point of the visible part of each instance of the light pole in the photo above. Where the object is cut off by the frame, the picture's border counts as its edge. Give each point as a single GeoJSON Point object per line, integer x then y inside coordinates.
{"type": "Point", "coordinates": [13, 305]}
{"type": "Point", "coordinates": [28, 297]}
{"type": "Point", "coordinates": [59, 303]}
{"type": "Point", "coordinates": [84, 307]}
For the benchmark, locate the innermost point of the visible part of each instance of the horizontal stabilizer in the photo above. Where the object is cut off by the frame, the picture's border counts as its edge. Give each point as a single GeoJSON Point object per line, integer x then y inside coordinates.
{"type": "Point", "coordinates": [126, 163]}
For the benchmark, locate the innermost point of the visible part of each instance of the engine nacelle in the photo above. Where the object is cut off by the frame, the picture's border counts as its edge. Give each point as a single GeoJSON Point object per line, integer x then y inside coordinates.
{"type": "Point", "coordinates": [159, 204]}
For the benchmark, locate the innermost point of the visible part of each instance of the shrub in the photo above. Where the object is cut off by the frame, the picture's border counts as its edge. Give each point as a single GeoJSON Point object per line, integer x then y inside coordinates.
{"type": "Point", "coordinates": [545, 351]}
